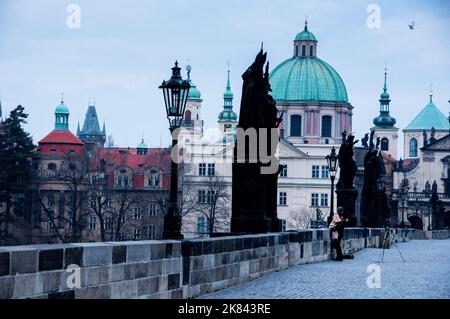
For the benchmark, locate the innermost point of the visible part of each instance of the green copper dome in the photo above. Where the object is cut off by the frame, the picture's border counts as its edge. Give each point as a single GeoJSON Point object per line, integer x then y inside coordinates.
{"type": "Point", "coordinates": [429, 117]}
{"type": "Point", "coordinates": [194, 93]}
{"type": "Point", "coordinates": [142, 145]}
{"type": "Point", "coordinates": [62, 109]}
{"type": "Point", "coordinates": [307, 79]}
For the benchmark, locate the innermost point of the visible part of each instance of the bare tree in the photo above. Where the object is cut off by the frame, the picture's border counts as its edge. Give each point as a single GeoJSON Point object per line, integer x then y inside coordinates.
{"type": "Point", "coordinates": [300, 218]}
{"type": "Point", "coordinates": [212, 204]}
{"type": "Point", "coordinates": [71, 183]}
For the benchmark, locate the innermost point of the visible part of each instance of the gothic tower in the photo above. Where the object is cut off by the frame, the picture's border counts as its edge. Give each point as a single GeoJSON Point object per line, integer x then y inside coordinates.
{"type": "Point", "coordinates": [91, 134]}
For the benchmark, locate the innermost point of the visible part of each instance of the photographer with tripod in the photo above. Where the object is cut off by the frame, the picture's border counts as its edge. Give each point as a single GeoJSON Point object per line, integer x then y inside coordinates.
{"type": "Point", "coordinates": [337, 226]}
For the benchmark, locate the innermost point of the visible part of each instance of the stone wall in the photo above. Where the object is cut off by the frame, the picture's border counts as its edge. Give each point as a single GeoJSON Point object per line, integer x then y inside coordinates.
{"type": "Point", "coordinates": [165, 269]}
{"type": "Point", "coordinates": [430, 234]}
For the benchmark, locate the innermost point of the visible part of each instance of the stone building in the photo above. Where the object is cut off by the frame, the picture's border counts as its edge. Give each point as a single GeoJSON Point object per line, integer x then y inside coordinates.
{"type": "Point", "coordinates": [420, 192]}
{"type": "Point", "coordinates": [313, 102]}
{"type": "Point", "coordinates": [84, 192]}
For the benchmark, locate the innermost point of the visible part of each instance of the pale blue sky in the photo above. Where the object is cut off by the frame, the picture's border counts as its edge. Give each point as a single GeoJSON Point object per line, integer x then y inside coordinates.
{"type": "Point", "coordinates": [125, 49]}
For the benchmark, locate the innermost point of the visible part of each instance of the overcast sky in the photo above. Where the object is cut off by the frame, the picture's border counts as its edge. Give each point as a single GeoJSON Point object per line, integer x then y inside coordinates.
{"type": "Point", "coordinates": [124, 49]}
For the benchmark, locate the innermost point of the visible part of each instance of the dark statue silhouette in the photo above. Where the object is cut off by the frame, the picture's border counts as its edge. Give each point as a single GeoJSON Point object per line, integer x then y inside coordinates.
{"type": "Point", "coordinates": [254, 195]}
{"type": "Point", "coordinates": [345, 189]}
{"type": "Point", "coordinates": [374, 203]}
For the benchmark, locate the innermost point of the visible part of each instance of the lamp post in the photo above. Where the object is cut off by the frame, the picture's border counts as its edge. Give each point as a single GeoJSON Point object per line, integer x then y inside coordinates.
{"type": "Point", "coordinates": [332, 160]}
{"type": "Point", "coordinates": [175, 92]}
{"type": "Point", "coordinates": [403, 198]}
{"type": "Point", "coordinates": [380, 188]}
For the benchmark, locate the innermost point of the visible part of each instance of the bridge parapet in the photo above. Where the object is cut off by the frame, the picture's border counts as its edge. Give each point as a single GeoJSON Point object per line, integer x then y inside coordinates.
{"type": "Point", "coordinates": [166, 268]}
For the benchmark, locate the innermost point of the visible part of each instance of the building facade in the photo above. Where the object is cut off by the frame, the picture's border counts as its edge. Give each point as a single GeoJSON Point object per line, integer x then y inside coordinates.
{"type": "Point", "coordinates": [85, 192]}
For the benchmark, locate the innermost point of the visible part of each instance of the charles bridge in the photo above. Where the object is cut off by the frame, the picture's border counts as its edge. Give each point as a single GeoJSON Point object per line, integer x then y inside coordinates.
{"type": "Point", "coordinates": [172, 268]}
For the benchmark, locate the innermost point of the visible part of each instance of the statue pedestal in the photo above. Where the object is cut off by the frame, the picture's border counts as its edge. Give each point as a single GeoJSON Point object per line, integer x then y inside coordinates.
{"type": "Point", "coordinates": [346, 197]}
{"type": "Point", "coordinates": [254, 200]}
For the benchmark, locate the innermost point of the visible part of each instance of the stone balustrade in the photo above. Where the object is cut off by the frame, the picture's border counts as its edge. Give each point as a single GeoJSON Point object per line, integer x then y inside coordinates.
{"type": "Point", "coordinates": [166, 268]}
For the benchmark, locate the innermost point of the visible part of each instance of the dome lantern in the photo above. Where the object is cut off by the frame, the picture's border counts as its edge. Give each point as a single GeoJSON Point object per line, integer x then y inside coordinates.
{"type": "Point", "coordinates": [305, 43]}
{"type": "Point", "coordinates": [62, 116]}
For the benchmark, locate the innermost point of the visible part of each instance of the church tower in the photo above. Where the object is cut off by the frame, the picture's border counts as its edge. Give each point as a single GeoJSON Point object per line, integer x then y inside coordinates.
{"type": "Point", "coordinates": [385, 123]}
{"type": "Point", "coordinates": [227, 118]}
{"type": "Point", "coordinates": [91, 134]}
{"type": "Point", "coordinates": [192, 125]}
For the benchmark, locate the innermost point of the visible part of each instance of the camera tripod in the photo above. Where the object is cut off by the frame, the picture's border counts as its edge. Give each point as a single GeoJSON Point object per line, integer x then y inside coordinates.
{"type": "Point", "coordinates": [387, 234]}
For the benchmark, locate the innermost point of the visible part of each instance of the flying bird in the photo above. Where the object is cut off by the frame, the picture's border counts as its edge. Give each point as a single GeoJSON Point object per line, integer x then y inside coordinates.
{"type": "Point", "coordinates": [412, 25]}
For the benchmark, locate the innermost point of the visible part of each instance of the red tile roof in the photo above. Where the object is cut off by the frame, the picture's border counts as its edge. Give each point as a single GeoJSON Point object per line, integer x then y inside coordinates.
{"type": "Point", "coordinates": [127, 157]}
{"type": "Point", "coordinates": [61, 137]}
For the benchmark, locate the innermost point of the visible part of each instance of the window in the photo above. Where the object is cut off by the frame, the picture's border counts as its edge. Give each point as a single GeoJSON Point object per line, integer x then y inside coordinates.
{"type": "Point", "coordinates": [211, 169]}
{"type": "Point", "coordinates": [284, 171]}
{"type": "Point", "coordinates": [325, 171]}
{"type": "Point", "coordinates": [210, 197]}
{"type": "Point", "coordinates": [151, 231]}
{"type": "Point", "coordinates": [137, 213]}
{"type": "Point", "coordinates": [202, 169]}
{"type": "Point", "coordinates": [153, 180]}
{"type": "Point", "coordinates": [52, 166]}
{"type": "Point", "coordinates": [122, 180]}
{"type": "Point", "coordinates": [122, 217]}
{"type": "Point", "coordinates": [50, 201]}
{"type": "Point", "coordinates": [92, 222]}
{"type": "Point", "coordinates": [50, 217]}
{"type": "Point", "coordinates": [152, 209]}
{"type": "Point", "coordinates": [107, 223]}
{"type": "Point", "coordinates": [314, 199]}
{"type": "Point", "coordinates": [136, 234]}
{"type": "Point", "coordinates": [283, 225]}
{"type": "Point", "coordinates": [92, 201]}
{"type": "Point", "coordinates": [384, 144]}
{"type": "Point", "coordinates": [53, 150]}
{"type": "Point", "coordinates": [202, 226]}
{"type": "Point", "coordinates": [202, 196]}
{"type": "Point", "coordinates": [326, 126]}
{"type": "Point", "coordinates": [413, 147]}
{"type": "Point", "coordinates": [187, 116]}
{"type": "Point", "coordinates": [311, 50]}
{"type": "Point", "coordinates": [303, 50]}
{"type": "Point", "coordinates": [121, 235]}
{"type": "Point", "coordinates": [296, 50]}
{"type": "Point", "coordinates": [296, 125]}
{"type": "Point", "coordinates": [323, 199]}
{"type": "Point", "coordinates": [283, 198]}
{"type": "Point", "coordinates": [315, 171]}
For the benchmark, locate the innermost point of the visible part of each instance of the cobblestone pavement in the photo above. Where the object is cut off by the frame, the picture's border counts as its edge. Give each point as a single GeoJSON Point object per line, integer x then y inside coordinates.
{"type": "Point", "coordinates": [426, 274]}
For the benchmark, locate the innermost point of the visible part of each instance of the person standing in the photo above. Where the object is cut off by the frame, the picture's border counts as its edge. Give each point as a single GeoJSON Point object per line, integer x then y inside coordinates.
{"type": "Point", "coordinates": [337, 232]}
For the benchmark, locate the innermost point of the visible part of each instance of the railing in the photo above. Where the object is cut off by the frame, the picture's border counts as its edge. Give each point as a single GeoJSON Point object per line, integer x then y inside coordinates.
{"type": "Point", "coordinates": [426, 196]}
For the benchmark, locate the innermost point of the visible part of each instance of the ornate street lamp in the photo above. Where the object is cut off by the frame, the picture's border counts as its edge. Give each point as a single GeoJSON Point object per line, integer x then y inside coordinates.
{"type": "Point", "coordinates": [404, 198]}
{"type": "Point", "coordinates": [175, 92]}
{"type": "Point", "coordinates": [332, 160]}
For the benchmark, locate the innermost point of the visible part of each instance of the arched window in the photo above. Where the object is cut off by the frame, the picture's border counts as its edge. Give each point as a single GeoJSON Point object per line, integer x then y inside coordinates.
{"type": "Point", "coordinates": [326, 126]}
{"type": "Point", "coordinates": [296, 125]}
{"type": "Point", "coordinates": [311, 50]}
{"type": "Point", "coordinates": [384, 144]}
{"type": "Point", "coordinates": [413, 147]}
{"type": "Point", "coordinates": [187, 116]}
{"type": "Point", "coordinates": [303, 50]}
{"type": "Point", "coordinates": [296, 50]}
